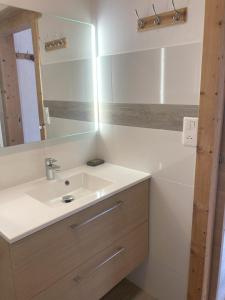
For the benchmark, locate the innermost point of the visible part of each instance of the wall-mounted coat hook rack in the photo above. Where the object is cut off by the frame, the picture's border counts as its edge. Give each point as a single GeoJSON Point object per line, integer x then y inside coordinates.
{"type": "Point", "coordinates": [25, 56]}
{"type": "Point", "coordinates": [56, 44]}
{"type": "Point", "coordinates": [169, 18]}
{"type": "Point", "coordinates": [157, 17]}
{"type": "Point", "coordinates": [141, 23]}
{"type": "Point", "coordinates": [177, 15]}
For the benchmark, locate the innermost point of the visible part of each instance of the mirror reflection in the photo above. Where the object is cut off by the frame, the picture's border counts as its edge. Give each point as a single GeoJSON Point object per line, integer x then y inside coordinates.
{"type": "Point", "coordinates": [46, 77]}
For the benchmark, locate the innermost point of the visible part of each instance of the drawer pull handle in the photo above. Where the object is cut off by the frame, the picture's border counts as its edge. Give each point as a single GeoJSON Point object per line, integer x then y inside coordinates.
{"type": "Point", "coordinates": [77, 226]}
{"type": "Point", "coordinates": [119, 251]}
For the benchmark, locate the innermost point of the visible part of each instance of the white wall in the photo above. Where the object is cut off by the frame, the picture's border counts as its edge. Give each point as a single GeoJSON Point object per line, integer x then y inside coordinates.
{"type": "Point", "coordinates": [75, 9]}
{"type": "Point", "coordinates": [67, 74]}
{"type": "Point", "coordinates": [165, 273]}
{"type": "Point", "coordinates": [117, 25]}
{"type": "Point", "coordinates": [66, 127]}
{"type": "Point", "coordinates": [23, 166]}
{"type": "Point", "coordinates": [78, 36]}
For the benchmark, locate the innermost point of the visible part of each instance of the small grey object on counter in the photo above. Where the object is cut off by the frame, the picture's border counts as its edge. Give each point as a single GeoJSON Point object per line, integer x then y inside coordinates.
{"type": "Point", "coordinates": [95, 162]}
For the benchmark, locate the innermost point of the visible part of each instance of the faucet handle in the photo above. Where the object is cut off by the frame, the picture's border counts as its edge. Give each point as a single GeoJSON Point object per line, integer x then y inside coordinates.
{"type": "Point", "coordinates": [50, 161]}
{"type": "Point", "coordinates": [57, 168]}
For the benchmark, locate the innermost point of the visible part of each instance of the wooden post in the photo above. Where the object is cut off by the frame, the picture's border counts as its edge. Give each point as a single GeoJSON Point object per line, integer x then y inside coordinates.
{"type": "Point", "coordinates": [35, 36]}
{"type": "Point", "coordinates": [210, 125]}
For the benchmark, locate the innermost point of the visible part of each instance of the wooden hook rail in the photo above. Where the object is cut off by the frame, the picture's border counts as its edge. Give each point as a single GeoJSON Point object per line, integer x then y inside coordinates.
{"type": "Point", "coordinates": [163, 20]}
{"type": "Point", "coordinates": [26, 56]}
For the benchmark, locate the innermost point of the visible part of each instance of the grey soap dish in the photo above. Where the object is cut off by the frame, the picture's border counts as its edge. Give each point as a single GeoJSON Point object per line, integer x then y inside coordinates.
{"type": "Point", "coordinates": [95, 162]}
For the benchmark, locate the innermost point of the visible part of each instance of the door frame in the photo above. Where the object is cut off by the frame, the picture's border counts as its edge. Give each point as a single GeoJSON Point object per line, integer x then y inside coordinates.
{"type": "Point", "coordinates": [206, 242]}
{"type": "Point", "coordinates": [13, 20]}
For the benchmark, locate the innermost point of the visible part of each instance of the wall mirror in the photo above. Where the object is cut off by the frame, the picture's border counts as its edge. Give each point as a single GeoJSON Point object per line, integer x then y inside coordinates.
{"type": "Point", "coordinates": [47, 77]}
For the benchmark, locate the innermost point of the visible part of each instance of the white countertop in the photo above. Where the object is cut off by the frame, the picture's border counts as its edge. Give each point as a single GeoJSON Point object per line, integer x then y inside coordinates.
{"type": "Point", "coordinates": [22, 215]}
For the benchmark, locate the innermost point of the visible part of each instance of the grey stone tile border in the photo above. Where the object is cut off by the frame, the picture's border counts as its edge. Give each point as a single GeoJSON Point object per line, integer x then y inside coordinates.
{"type": "Point", "coordinates": [155, 116]}
{"type": "Point", "coordinates": [81, 111]}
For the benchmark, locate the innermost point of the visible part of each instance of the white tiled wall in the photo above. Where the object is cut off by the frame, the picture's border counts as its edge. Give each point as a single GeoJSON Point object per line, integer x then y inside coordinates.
{"type": "Point", "coordinates": [158, 151]}
{"type": "Point", "coordinates": [137, 62]}
{"type": "Point", "coordinates": [117, 25]}
{"type": "Point", "coordinates": [68, 81]}
{"type": "Point", "coordinates": [164, 274]}
{"type": "Point", "coordinates": [78, 36]}
{"type": "Point", "coordinates": [21, 167]}
{"type": "Point", "coordinates": [67, 74]}
{"type": "Point", "coordinates": [171, 201]}
{"type": "Point", "coordinates": [63, 127]}
{"type": "Point", "coordinates": [28, 164]}
{"type": "Point", "coordinates": [165, 75]}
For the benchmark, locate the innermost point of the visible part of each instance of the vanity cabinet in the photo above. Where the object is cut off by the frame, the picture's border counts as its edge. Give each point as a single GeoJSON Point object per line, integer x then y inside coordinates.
{"type": "Point", "coordinates": [82, 257]}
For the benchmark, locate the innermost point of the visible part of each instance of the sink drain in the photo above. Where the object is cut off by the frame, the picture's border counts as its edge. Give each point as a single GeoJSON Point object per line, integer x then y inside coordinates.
{"type": "Point", "coordinates": [68, 199]}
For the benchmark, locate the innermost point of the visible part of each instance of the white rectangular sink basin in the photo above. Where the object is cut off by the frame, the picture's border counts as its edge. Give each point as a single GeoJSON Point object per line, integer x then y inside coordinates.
{"type": "Point", "coordinates": [77, 186]}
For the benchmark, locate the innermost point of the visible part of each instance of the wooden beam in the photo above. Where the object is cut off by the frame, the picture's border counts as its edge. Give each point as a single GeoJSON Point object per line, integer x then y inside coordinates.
{"type": "Point", "coordinates": [37, 56]}
{"type": "Point", "coordinates": [15, 20]}
{"type": "Point", "coordinates": [10, 92]}
{"type": "Point", "coordinates": [210, 124]}
{"type": "Point", "coordinates": [219, 228]}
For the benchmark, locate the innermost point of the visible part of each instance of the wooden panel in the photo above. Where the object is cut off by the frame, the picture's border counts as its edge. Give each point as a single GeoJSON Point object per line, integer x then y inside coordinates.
{"type": "Point", "coordinates": [210, 124]}
{"type": "Point", "coordinates": [10, 92]}
{"type": "Point", "coordinates": [19, 20]}
{"type": "Point", "coordinates": [218, 233]}
{"type": "Point", "coordinates": [7, 290]}
{"type": "Point", "coordinates": [37, 61]}
{"type": "Point", "coordinates": [43, 258]}
{"type": "Point", "coordinates": [101, 273]}
{"type": "Point", "coordinates": [16, 20]}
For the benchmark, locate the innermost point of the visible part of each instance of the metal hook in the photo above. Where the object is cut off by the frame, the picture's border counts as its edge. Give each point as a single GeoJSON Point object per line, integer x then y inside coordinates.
{"type": "Point", "coordinates": [157, 17]}
{"type": "Point", "coordinates": [141, 22]}
{"type": "Point", "coordinates": [177, 15]}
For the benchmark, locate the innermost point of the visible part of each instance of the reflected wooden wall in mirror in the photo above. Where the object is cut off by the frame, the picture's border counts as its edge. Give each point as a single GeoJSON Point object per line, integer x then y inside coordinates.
{"type": "Point", "coordinates": [46, 77]}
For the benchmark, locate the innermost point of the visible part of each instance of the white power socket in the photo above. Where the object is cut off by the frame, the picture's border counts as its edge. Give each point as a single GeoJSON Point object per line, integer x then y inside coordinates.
{"type": "Point", "coordinates": [190, 132]}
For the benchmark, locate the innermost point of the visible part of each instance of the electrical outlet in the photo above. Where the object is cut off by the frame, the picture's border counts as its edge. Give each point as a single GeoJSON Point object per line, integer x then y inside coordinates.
{"type": "Point", "coordinates": [190, 132]}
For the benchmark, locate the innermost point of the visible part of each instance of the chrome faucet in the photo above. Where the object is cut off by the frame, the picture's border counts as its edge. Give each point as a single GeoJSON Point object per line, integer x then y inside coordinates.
{"type": "Point", "coordinates": [51, 168]}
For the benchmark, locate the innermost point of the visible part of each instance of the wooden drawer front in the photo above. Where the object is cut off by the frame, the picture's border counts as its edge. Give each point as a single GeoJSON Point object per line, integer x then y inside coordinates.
{"type": "Point", "coordinates": [101, 273]}
{"type": "Point", "coordinates": [43, 258]}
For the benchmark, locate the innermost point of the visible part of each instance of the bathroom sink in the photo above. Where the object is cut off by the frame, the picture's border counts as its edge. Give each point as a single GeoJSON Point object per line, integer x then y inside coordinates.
{"type": "Point", "coordinates": [67, 190]}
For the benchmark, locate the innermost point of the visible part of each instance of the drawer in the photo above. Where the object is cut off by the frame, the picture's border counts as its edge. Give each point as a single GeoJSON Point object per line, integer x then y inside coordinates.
{"type": "Point", "coordinates": [42, 258]}
{"type": "Point", "coordinates": [101, 273]}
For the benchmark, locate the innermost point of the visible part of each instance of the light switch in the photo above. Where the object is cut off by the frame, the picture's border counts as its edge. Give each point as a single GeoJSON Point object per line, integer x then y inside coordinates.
{"type": "Point", "coordinates": [190, 132]}
{"type": "Point", "coordinates": [47, 119]}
